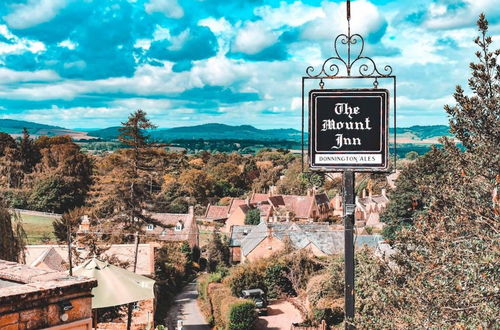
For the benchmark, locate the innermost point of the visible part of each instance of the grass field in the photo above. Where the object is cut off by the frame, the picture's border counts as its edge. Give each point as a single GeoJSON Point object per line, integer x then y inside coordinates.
{"type": "Point", "coordinates": [38, 228]}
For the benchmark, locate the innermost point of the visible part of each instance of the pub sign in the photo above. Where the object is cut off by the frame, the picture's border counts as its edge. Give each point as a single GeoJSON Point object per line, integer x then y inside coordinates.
{"type": "Point", "coordinates": [348, 129]}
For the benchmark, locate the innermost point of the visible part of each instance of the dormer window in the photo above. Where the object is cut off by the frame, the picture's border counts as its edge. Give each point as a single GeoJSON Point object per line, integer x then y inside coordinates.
{"type": "Point", "coordinates": [164, 232]}
{"type": "Point", "coordinates": [150, 227]}
{"type": "Point", "coordinates": [179, 226]}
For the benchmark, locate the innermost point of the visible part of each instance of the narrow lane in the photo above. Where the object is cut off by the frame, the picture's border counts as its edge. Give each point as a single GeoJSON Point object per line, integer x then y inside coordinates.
{"type": "Point", "coordinates": [186, 309]}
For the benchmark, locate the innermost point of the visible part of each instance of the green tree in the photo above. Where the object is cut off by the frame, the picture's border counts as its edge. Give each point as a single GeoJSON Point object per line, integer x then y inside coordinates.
{"type": "Point", "coordinates": [297, 183]}
{"type": "Point", "coordinates": [412, 155]}
{"type": "Point", "coordinates": [217, 251]}
{"type": "Point", "coordinates": [446, 264]}
{"type": "Point", "coordinates": [474, 119]}
{"type": "Point", "coordinates": [30, 155]}
{"type": "Point", "coordinates": [12, 235]}
{"type": "Point", "coordinates": [409, 200]}
{"type": "Point", "coordinates": [55, 194]}
{"type": "Point", "coordinates": [123, 190]}
{"type": "Point", "coordinates": [70, 219]}
{"type": "Point", "coordinates": [6, 141]}
{"type": "Point", "coordinates": [62, 177]}
{"type": "Point", "coordinates": [197, 183]}
{"type": "Point", "coordinates": [252, 217]}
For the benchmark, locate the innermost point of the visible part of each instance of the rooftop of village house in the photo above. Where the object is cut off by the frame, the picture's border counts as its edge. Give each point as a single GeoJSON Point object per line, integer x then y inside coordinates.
{"type": "Point", "coordinates": [19, 283]}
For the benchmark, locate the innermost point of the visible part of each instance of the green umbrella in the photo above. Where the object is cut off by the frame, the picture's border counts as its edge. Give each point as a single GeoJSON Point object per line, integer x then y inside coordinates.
{"type": "Point", "coordinates": [115, 286]}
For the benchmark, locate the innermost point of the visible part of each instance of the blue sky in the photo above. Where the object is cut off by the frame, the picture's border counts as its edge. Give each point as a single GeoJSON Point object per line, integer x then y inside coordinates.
{"type": "Point", "coordinates": [89, 63]}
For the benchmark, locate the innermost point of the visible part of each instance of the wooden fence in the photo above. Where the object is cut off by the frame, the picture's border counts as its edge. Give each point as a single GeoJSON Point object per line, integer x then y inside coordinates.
{"type": "Point", "coordinates": [37, 213]}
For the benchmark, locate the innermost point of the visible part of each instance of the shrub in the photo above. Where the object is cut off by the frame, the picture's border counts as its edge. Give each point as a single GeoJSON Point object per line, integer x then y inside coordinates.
{"type": "Point", "coordinates": [242, 316]}
{"type": "Point", "coordinates": [220, 297]}
{"type": "Point", "coordinates": [252, 217]}
{"type": "Point", "coordinates": [332, 316]}
{"type": "Point", "coordinates": [248, 276]}
{"type": "Point", "coordinates": [276, 282]}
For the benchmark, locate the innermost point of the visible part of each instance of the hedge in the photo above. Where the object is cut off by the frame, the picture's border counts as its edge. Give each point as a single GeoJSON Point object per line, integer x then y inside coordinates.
{"type": "Point", "coordinates": [242, 316]}
{"type": "Point", "coordinates": [226, 312]}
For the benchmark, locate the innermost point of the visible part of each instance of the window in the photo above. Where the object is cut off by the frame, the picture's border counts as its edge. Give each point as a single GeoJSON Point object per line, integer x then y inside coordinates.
{"type": "Point", "coordinates": [178, 226]}
{"type": "Point", "coordinates": [150, 227]}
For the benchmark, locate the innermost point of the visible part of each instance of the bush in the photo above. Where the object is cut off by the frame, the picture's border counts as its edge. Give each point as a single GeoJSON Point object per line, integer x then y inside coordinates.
{"type": "Point", "coordinates": [17, 199]}
{"type": "Point", "coordinates": [252, 217]}
{"type": "Point", "coordinates": [248, 276]}
{"type": "Point", "coordinates": [332, 316]}
{"type": "Point", "coordinates": [276, 282]}
{"type": "Point", "coordinates": [242, 316]}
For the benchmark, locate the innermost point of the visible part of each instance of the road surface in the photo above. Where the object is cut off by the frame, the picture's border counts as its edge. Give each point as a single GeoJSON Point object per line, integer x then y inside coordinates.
{"type": "Point", "coordinates": [186, 309]}
{"type": "Point", "coordinates": [281, 315]}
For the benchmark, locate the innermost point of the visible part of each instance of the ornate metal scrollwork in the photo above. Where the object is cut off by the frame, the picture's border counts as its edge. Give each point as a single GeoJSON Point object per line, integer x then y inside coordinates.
{"type": "Point", "coordinates": [333, 66]}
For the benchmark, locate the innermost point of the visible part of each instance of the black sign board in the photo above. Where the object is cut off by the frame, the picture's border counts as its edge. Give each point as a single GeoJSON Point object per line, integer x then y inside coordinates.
{"type": "Point", "coordinates": [348, 129]}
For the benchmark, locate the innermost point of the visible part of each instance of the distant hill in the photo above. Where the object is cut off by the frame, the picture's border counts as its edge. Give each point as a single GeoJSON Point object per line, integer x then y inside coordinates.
{"type": "Point", "coordinates": [421, 134]}
{"type": "Point", "coordinates": [109, 133]}
{"type": "Point", "coordinates": [221, 132]}
{"type": "Point", "coordinates": [15, 128]}
{"type": "Point", "coordinates": [209, 132]}
{"type": "Point", "coordinates": [413, 134]}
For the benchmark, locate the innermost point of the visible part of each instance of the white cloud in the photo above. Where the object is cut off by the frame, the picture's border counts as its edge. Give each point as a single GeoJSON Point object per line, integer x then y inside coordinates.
{"type": "Point", "coordinates": [365, 18]}
{"type": "Point", "coordinates": [64, 91]}
{"type": "Point", "coordinates": [8, 76]}
{"type": "Point", "coordinates": [18, 45]}
{"type": "Point", "coordinates": [424, 105]}
{"type": "Point", "coordinates": [296, 103]}
{"type": "Point", "coordinates": [218, 71]}
{"type": "Point", "coordinates": [217, 26]}
{"type": "Point", "coordinates": [161, 33]}
{"type": "Point", "coordinates": [169, 8]}
{"type": "Point", "coordinates": [439, 17]}
{"type": "Point", "coordinates": [152, 106]}
{"type": "Point", "coordinates": [34, 12]}
{"type": "Point", "coordinates": [294, 14]}
{"type": "Point", "coordinates": [254, 37]}
{"type": "Point", "coordinates": [67, 44]}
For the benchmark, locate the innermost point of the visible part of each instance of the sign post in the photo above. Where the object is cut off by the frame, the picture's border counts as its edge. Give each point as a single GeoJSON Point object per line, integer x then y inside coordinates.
{"type": "Point", "coordinates": [348, 132]}
{"type": "Point", "coordinates": [348, 129]}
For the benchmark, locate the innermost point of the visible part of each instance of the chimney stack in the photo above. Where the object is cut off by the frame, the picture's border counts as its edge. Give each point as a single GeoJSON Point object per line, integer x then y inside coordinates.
{"type": "Point", "coordinates": [191, 210]}
{"type": "Point", "coordinates": [364, 193]}
{"type": "Point", "coordinates": [269, 231]}
{"type": "Point", "coordinates": [85, 224]}
{"type": "Point", "coordinates": [384, 192]}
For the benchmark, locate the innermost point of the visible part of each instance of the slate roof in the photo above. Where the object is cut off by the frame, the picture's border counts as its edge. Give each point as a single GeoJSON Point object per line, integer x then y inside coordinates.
{"type": "Point", "coordinates": [301, 235]}
{"type": "Point", "coordinates": [277, 201]}
{"type": "Point", "coordinates": [50, 259]}
{"type": "Point", "coordinates": [322, 199]}
{"type": "Point", "coordinates": [55, 257]}
{"type": "Point", "coordinates": [363, 203]}
{"type": "Point", "coordinates": [238, 233]}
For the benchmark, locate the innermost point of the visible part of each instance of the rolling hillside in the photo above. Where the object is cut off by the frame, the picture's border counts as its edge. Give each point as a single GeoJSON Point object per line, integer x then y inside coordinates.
{"type": "Point", "coordinates": [414, 134]}
{"type": "Point", "coordinates": [15, 128]}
